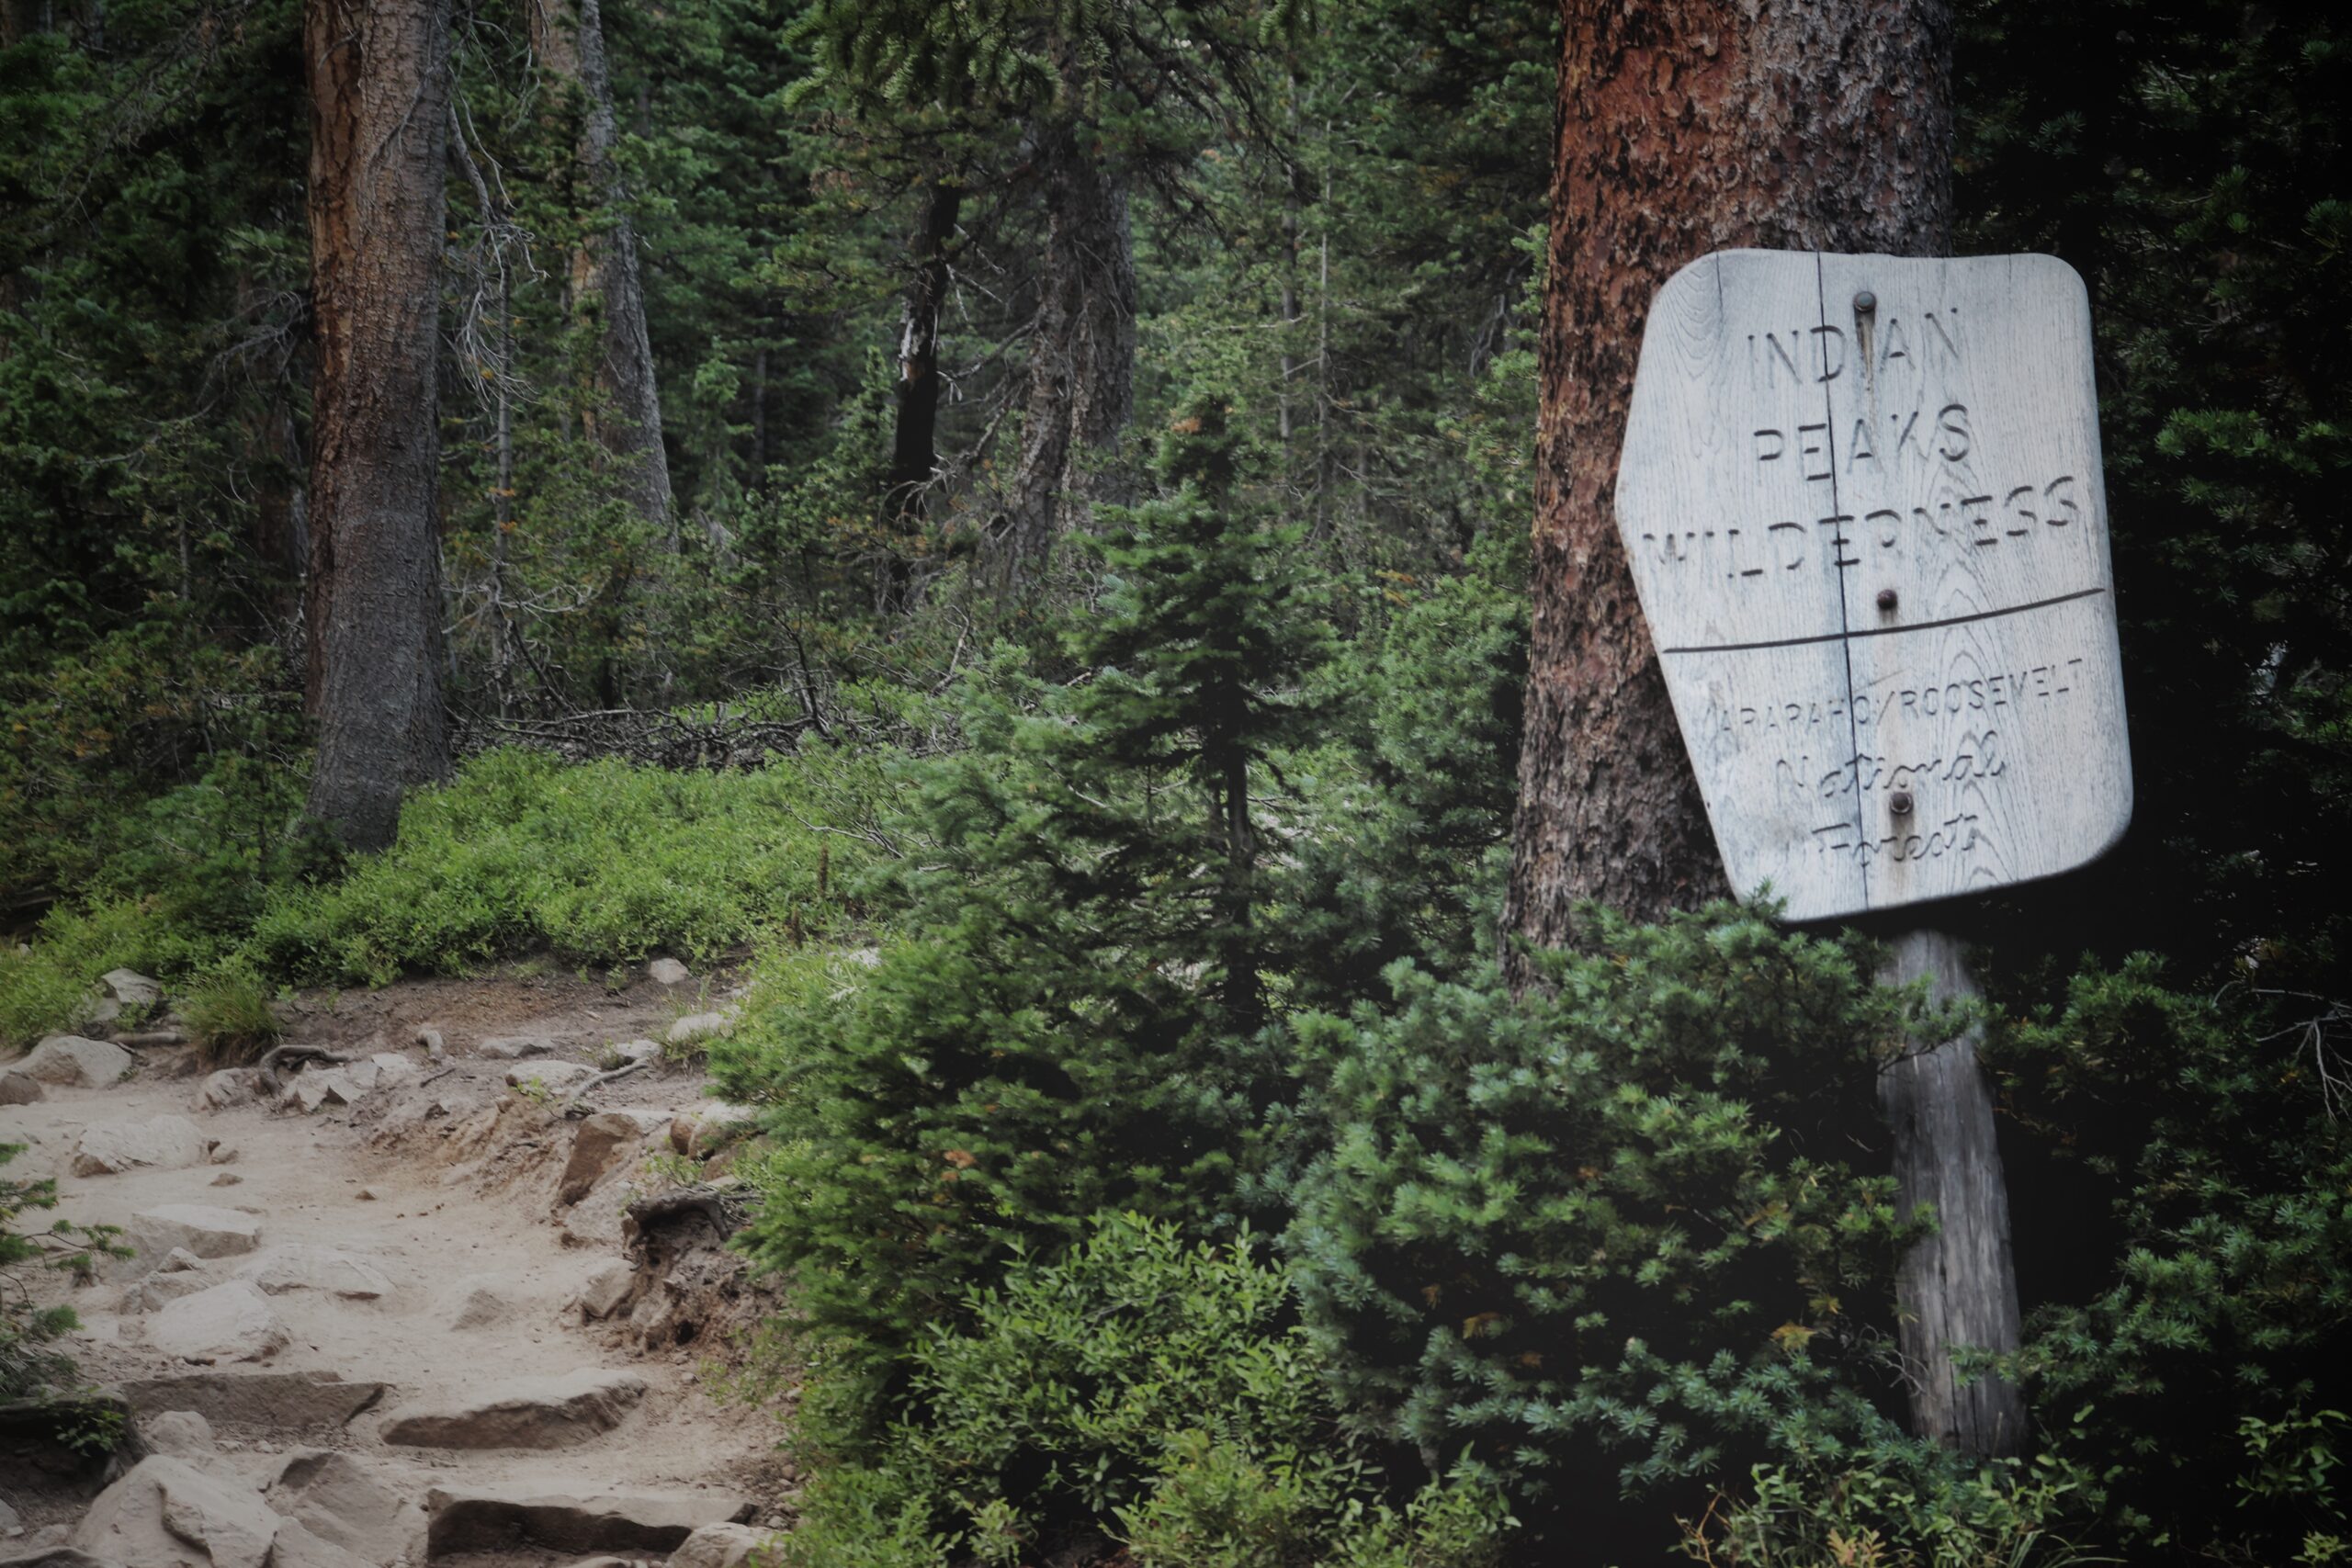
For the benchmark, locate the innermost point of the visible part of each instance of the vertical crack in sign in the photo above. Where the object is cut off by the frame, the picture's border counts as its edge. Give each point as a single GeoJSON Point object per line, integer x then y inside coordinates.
{"type": "Point", "coordinates": [1840, 564]}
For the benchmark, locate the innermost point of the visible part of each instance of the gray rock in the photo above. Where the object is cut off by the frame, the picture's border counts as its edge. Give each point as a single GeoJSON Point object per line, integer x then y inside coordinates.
{"type": "Point", "coordinates": [224, 1178]}
{"type": "Point", "coordinates": [165, 1514]}
{"type": "Point", "coordinates": [430, 1038]}
{"type": "Point", "coordinates": [40, 1553]}
{"type": "Point", "coordinates": [230, 1086]}
{"type": "Point", "coordinates": [231, 1322]}
{"type": "Point", "coordinates": [200, 1228]}
{"type": "Point", "coordinates": [70, 1061]}
{"type": "Point", "coordinates": [479, 1304]}
{"type": "Point", "coordinates": [181, 1274]}
{"type": "Point", "coordinates": [718, 1546]}
{"type": "Point", "coordinates": [19, 1088]}
{"type": "Point", "coordinates": [529, 1412]}
{"type": "Point", "coordinates": [344, 1501]}
{"type": "Point", "coordinates": [300, 1266]}
{"type": "Point", "coordinates": [280, 1402]}
{"type": "Point", "coordinates": [177, 1432]}
{"type": "Point", "coordinates": [551, 1077]}
{"type": "Point", "coordinates": [607, 1290]}
{"type": "Point", "coordinates": [629, 1051]}
{"type": "Point", "coordinates": [513, 1047]}
{"type": "Point", "coordinates": [131, 989]}
{"type": "Point", "coordinates": [489, 1517]}
{"type": "Point", "coordinates": [668, 972]}
{"type": "Point", "coordinates": [161, 1143]}
{"type": "Point", "coordinates": [316, 1087]}
{"type": "Point", "coordinates": [12, 1523]}
{"type": "Point", "coordinates": [697, 1027]}
{"type": "Point", "coordinates": [699, 1128]}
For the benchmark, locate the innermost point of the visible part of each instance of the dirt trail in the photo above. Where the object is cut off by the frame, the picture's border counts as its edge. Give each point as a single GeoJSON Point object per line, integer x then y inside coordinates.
{"type": "Point", "coordinates": [448, 1186]}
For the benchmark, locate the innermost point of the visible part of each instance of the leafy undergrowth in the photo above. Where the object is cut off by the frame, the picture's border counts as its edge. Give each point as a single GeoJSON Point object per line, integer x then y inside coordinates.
{"type": "Point", "coordinates": [597, 863]}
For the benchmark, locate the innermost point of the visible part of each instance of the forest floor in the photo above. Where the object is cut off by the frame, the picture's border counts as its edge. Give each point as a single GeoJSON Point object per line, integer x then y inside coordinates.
{"type": "Point", "coordinates": [547, 1380]}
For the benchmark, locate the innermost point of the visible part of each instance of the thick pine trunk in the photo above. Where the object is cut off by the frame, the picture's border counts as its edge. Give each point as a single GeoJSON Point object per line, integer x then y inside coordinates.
{"type": "Point", "coordinates": [379, 74]}
{"type": "Point", "coordinates": [1082, 358]}
{"type": "Point", "coordinates": [914, 446]}
{"type": "Point", "coordinates": [607, 293]}
{"type": "Point", "coordinates": [1684, 126]}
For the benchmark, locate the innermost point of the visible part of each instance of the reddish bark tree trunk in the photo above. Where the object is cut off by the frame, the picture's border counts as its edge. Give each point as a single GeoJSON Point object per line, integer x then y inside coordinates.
{"type": "Point", "coordinates": [379, 76]}
{"type": "Point", "coordinates": [1684, 127]}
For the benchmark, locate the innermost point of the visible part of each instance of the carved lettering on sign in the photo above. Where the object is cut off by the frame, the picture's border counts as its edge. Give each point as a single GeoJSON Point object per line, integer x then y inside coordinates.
{"type": "Point", "coordinates": [1861, 496]}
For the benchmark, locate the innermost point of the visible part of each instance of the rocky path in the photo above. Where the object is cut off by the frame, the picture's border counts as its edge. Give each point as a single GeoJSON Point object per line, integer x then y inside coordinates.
{"type": "Point", "coordinates": [394, 1310]}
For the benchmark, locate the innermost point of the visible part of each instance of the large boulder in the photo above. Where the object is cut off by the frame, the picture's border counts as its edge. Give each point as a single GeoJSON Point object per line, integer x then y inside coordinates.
{"type": "Point", "coordinates": [166, 1513]}
{"type": "Point", "coordinates": [602, 1144]}
{"type": "Point", "coordinates": [201, 1228]}
{"type": "Point", "coordinates": [231, 1322]}
{"type": "Point", "coordinates": [300, 1267]}
{"type": "Point", "coordinates": [279, 1401]}
{"type": "Point", "coordinates": [489, 1517]}
{"type": "Point", "coordinates": [341, 1500]}
{"type": "Point", "coordinates": [161, 1143]}
{"type": "Point", "coordinates": [528, 1413]}
{"type": "Point", "coordinates": [70, 1061]}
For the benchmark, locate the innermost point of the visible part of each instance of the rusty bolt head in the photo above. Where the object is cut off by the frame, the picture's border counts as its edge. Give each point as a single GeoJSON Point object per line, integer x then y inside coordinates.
{"type": "Point", "coordinates": [1865, 302]}
{"type": "Point", "coordinates": [1886, 600]}
{"type": "Point", "coordinates": [1900, 803]}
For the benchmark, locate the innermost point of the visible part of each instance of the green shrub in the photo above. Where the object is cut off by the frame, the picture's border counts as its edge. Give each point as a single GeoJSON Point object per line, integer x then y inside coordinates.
{"type": "Point", "coordinates": [602, 862]}
{"type": "Point", "coordinates": [1904, 1505]}
{"type": "Point", "coordinates": [47, 989]}
{"type": "Point", "coordinates": [31, 1366]}
{"type": "Point", "coordinates": [1639, 1216]}
{"type": "Point", "coordinates": [1137, 1387]}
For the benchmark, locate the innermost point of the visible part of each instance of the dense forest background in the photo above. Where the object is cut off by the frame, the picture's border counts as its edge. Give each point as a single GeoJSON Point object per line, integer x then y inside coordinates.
{"type": "Point", "coordinates": [1050, 496]}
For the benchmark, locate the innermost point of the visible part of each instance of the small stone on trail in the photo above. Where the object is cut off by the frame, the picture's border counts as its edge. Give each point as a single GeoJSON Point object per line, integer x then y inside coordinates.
{"type": "Point", "coordinates": [717, 1546]}
{"type": "Point", "coordinates": [201, 1229]}
{"type": "Point", "coordinates": [234, 1322]}
{"type": "Point", "coordinates": [177, 1432]}
{"type": "Point", "coordinates": [697, 1027]}
{"type": "Point", "coordinates": [305, 1268]}
{"type": "Point", "coordinates": [163, 1143]}
{"type": "Point", "coordinates": [365, 1194]}
{"type": "Point", "coordinates": [72, 1061]}
{"type": "Point", "coordinates": [607, 1290]}
{"type": "Point", "coordinates": [551, 1077]}
{"type": "Point", "coordinates": [699, 1128]}
{"type": "Point", "coordinates": [510, 1047]}
{"type": "Point", "coordinates": [19, 1089]}
{"type": "Point", "coordinates": [480, 1305]}
{"type": "Point", "coordinates": [230, 1086]}
{"type": "Point", "coordinates": [224, 1153]}
{"type": "Point", "coordinates": [225, 1179]}
{"type": "Point", "coordinates": [668, 972]}
{"type": "Point", "coordinates": [430, 1038]}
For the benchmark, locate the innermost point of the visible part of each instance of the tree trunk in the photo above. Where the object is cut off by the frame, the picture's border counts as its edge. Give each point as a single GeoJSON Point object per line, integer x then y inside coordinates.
{"type": "Point", "coordinates": [568, 37]}
{"type": "Point", "coordinates": [1081, 357]}
{"type": "Point", "coordinates": [1684, 127]}
{"type": "Point", "coordinates": [1957, 1287]}
{"type": "Point", "coordinates": [914, 447]}
{"type": "Point", "coordinates": [379, 74]}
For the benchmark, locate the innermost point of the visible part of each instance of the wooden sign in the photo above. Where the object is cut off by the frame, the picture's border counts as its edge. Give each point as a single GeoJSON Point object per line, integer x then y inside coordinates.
{"type": "Point", "coordinates": [1862, 500]}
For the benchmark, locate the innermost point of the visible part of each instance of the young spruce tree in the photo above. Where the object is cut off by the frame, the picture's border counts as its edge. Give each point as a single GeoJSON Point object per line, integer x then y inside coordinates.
{"type": "Point", "coordinates": [1074, 1027]}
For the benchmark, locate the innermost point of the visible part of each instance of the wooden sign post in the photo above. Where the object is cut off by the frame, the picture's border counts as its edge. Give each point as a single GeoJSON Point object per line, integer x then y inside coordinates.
{"type": "Point", "coordinates": [1862, 500]}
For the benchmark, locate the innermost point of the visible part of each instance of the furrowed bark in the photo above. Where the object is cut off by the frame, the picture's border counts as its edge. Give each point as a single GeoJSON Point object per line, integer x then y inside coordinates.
{"type": "Point", "coordinates": [606, 289]}
{"type": "Point", "coordinates": [1684, 126]}
{"type": "Point", "coordinates": [1081, 361]}
{"type": "Point", "coordinates": [914, 447]}
{"type": "Point", "coordinates": [379, 74]}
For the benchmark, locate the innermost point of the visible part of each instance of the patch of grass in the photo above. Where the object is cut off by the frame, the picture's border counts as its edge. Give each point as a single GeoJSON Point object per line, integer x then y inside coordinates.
{"type": "Point", "coordinates": [46, 988]}
{"type": "Point", "coordinates": [229, 1015]}
{"type": "Point", "coordinates": [599, 863]}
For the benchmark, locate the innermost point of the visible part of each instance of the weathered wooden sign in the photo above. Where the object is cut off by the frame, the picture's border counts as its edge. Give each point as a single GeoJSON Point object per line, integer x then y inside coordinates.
{"type": "Point", "coordinates": [1862, 500]}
